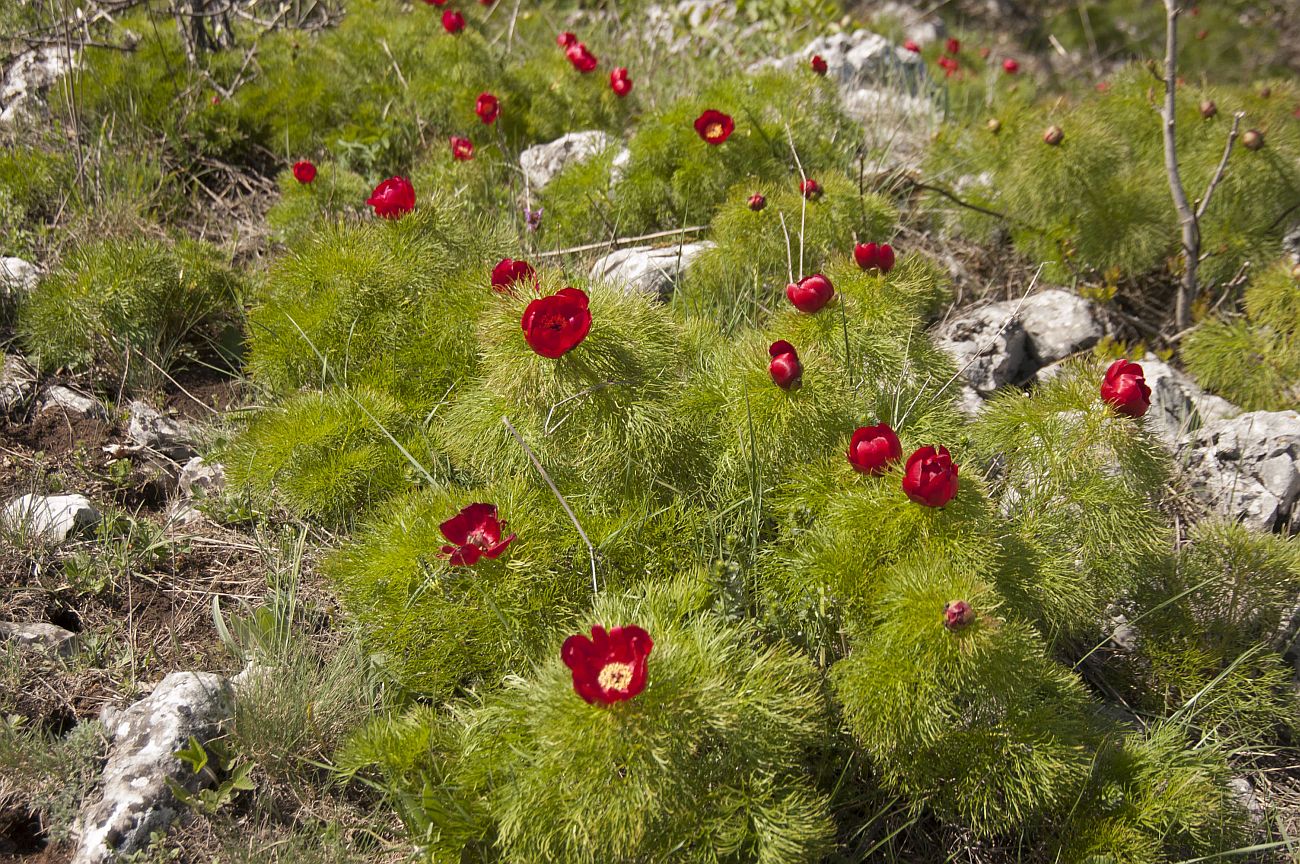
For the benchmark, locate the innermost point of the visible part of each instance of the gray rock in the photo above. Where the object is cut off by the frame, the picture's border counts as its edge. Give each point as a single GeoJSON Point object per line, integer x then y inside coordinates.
{"type": "Point", "coordinates": [150, 428]}
{"type": "Point", "coordinates": [200, 479]}
{"type": "Point", "coordinates": [988, 344]}
{"type": "Point", "coordinates": [72, 403]}
{"type": "Point", "coordinates": [1248, 468]}
{"type": "Point", "coordinates": [969, 402]}
{"type": "Point", "coordinates": [1291, 243]}
{"type": "Point", "coordinates": [646, 269]}
{"type": "Point", "coordinates": [1058, 324]}
{"type": "Point", "coordinates": [1249, 799]}
{"type": "Point", "coordinates": [136, 799]}
{"type": "Point", "coordinates": [53, 518]}
{"type": "Point", "coordinates": [17, 380]}
{"type": "Point", "coordinates": [27, 81]}
{"type": "Point", "coordinates": [17, 277]}
{"type": "Point", "coordinates": [896, 125]}
{"type": "Point", "coordinates": [45, 638]}
{"type": "Point", "coordinates": [183, 514]}
{"type": "Point", "coordinates": [1178, 406]}
{"type": "Point", "coordinates": [542, 162]}
{"type": "Point", "coordinates": [920, 28]}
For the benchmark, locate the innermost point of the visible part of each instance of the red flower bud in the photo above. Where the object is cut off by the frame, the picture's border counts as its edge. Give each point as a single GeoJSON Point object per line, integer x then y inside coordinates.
{"type": "Point", "coordinates": [948, 65]}
{"type": "Point", "coordinates": [1209, 109]}
{"type": "Point", "coordinates": [452, 21]}
{"type": "Point", "coordinates": [1102, 86]}
{"type": "Point", "coordinates": [1010, 66]}
{"type": "Point", "coordinates": [930, 477]}
{"type": "Point", "coordinates": [819, 64]}
{"type": "Point", "coordinates": [509, 272]}
{"type": "Point", "coordinates": [1252, 139]}
{"type": "Point", "coordinates": [757, 202]}
{"type": "Point", "coordinates": [487, 107]}
{"type": "Point", "coordinates": [581, 58]}
{"type": "Point", "coordinates": [785, 368]}
{"type": "Point", "coordinates": [474, 532]}
{"type": "Point", "coordinates": [393, 198]}
{"type": "Point", "coordinates": [957, 615]}
{"type": "Point", "coordinates": [872, 256]}
{"type": "Point", "coordinates": [619, 82]}
{"type": "Point", "coordinates": [462, 149]}
{"type": "Point", "coordinates": [610, 666]}
{"type": "Point", "coordinates": [911, 45]}
{"type": "Point", "coordinates": [714, 126]}
{"type": "Point", "coordinates": [1053, 135]}
{"type": "Point", "coordinates": [304, 172]}
{"type": "Point", "coordinates": [555, 325]}
{"type": "Point", "coordinates": [873, 448]}
{"type": "Point", "coordinates": [564, 40]}
{"type": "Point", "coordinates": [1201, 34]}
{"type": "Point", "coordinates": [810, 293]}
{"type": "Point", "coordinates": [1125, 388]}
{"type": "Point", "coordinates": [435, 2]}
{"type": "Point", "coordinates": [952, 46]}
{"type": "Point", "coordinates": [810, 189]}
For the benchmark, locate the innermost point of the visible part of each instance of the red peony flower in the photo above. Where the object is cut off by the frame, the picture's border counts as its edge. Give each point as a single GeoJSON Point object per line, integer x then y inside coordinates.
{"type": "Point", "coordinates": [810, 293]}
{"type": "Point", "coordinates": [304, 172]}
{"type": "Point", "coordinates": [1125, 388]}
{"type": "Point", "coordinates": [564, 40]}
{"type": "Point", "coordinates": [487, 107]}
{"type": "Point", "coordinates": [508, 272]}
{"type": "Point", "coordinates": [557, 324]}
{"type": "Point", "coordinates": [393, 198]}
{"type": "Point", "coordinates": [486, 2]}
{"type": "Point", "coordinates": [957, 615]}
{"type": "Point", "coordinates": [873, 448]}
{"type": "Point", "coordinates": [610, 666]}
{"type": "Point", "coordinates": [930, 477]}
{"type": "Point", "coordinates": [911, 45]}
{"type": "Point", "coordinates": [874, 256]}
{"type": "Point", "coordinates": [758, 202]}
{"type": "Point", "coordinates": [581, 58]}
{"type": "Point", "coordinates": [810, 189]}
{"type": "Point", "coordinates": [949, 66]}
{"type": "Point", "coordinates": [785, 368]}
{"type": "Point", "coordinates": [453, 21]}
{"type": "Point", "coordinates": [462, 149]}
{"type": "Point", "coordinates": [1010, 66]}
{"type": "Point", "coordinates": [435, 2]}
{"type": "Point", "coordinates": [714, 126]}
{"type": "Point", "coordinates": [619, 82]}
{"type": "Point", "coordinates": [818, 64]}
{"type": "Point", "coordinates": [1102, 86]}
{"type": "Point", "coordinates": [952, 46]}
{"type": "Point", "coordinates": [474, 532]}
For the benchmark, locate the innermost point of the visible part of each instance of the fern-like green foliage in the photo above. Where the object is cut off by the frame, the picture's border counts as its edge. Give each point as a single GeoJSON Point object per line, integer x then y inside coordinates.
{"type": "Point", "coordinates": [1078, 482]}
{"type": "Point", "coordinates": [1153, 800]}
{"type": "Point", "coordinates": [673, 178]}
{"type": "Point", "coordinates": [745, 274]}
{"type": "Point", "coordinates": [303, 209]}
{"type": "Point", "coordinates": [601, 418]}
{"type": "Point", "coordinates": [705, 765]}
{"type": "Point", "coordinates": [1101, 199]}
{"type": "Point", "coordinates": [1253, 361]}
{"type": "Point", "coordinates": [1210, 630]}
{"type": "Point", "coordinates": [979, 723]}
{"type": "Point", "coordinates": [131, 309]}
{"type": "Point", "coordinates": [437, 627]}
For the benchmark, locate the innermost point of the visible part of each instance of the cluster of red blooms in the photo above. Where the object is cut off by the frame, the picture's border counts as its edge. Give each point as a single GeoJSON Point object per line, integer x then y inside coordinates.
{"type": "Point", "coordinates": [584, 61]}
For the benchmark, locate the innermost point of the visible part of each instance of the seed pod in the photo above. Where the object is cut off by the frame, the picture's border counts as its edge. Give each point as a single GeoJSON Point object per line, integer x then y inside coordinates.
{"type": "Point", "coordinates": [1053, 135]}
{"type": "Point", "coordinates": [1252, 139]}
{"type": "Point", "coordinates": [957, 615]}
{"type": "Point", "coordinates": [994, 125]}
{"type": "Point", "coordinates": [1209, 109]}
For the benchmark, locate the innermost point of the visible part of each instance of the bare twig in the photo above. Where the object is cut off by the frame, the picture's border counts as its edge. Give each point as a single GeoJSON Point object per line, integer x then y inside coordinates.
{"type": "Point", "coordinates": [615, 242]}
{"type": "Point", "coordinates": [1223, 166]}
{"type": "Point", "coordinates": [1191, 229]}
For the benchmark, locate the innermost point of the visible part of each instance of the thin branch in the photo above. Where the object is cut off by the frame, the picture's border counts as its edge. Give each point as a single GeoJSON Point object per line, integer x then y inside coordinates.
{"type": "Point", "coordinates": [1223, 166]}
{"type": "Point", "coordinates": [953, 198]}
{"type": "Point", "coordinates": [1191, 230]}
{"type": "Point", "coordinates": [615, 242]}
{"type": "Point", "coordinates": [591, 550]}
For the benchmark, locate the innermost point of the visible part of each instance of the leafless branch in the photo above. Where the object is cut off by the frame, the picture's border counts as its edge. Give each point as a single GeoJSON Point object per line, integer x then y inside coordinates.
{"type": "Point", "coordinates": [1223, 166]}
